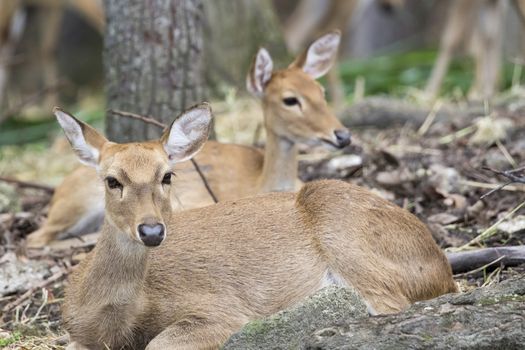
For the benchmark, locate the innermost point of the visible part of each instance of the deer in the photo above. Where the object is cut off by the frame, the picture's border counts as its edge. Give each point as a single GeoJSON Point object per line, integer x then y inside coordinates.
{"type": "Point", "coordinates": [312, 17]}
{"type": "Point", "coordinates": [159, 278]}
{"type": "Point", "coordinates": [12, 24]}
{"type": "Point", "coordinates": [295, 111]}
{"type": "Point", "coordinates": [480, 23]}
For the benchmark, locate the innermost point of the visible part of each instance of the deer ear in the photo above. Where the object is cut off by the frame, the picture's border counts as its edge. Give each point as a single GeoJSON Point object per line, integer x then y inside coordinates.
{"type": "Point", "coordinates": [320, 56]}
{"type": "Point", "coordinates": [85, 140]}
{"type": "Point", "coordinates": [260, 73]}
{"type": "Point", "coordinates": [188, 133]}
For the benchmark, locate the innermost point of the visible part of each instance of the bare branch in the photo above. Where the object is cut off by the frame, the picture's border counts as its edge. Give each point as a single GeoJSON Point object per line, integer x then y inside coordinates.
{"type": "Point", "coordinates": [509, 174]}
{"type": "Point", "coordinates": [28, 184]}
{"type": "Point", "coordinates": [145, 119]}
{"type": "Point", "coordinates": [466, 261]}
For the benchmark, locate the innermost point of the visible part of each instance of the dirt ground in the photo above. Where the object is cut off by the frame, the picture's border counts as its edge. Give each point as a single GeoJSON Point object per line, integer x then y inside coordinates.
{"type": "Point", "coordinates": [436, 172]}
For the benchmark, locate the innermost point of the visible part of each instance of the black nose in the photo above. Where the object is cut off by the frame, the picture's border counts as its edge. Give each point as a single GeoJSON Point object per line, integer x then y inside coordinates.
{"type": "Point", "coordinates": [343, 137]}
{"type": "Point", "coordinates": [151, 235]}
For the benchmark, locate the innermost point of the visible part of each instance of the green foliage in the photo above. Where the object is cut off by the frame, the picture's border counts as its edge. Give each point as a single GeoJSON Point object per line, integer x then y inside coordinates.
{"type": "Point", "coordinates": [18, 130]}
{"type": "Point", "coordinates": [396, 73]}
{"type": "Point", "coordinates": [13, 337]}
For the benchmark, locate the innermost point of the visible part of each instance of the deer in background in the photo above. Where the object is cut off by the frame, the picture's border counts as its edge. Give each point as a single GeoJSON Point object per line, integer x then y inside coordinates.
{"type": "Point", "coordinates": [159, 279]}
{"type": "Point", "coordinates": [312, 17]}
{"type": "Point", "coordinates": [12, 24]}
{"type": "Point", "coordinates": [295, 111]}
{"type": "Point", "coordinates": [480, 24]}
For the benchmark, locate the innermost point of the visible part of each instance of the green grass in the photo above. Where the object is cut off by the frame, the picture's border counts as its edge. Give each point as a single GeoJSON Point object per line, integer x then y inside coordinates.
{"type": "Point", "coordinates": [12, 338]}
{"type": "Point", "coordinates": [17, 130]}
{"type": "Point", "coordinates": [395, 73]}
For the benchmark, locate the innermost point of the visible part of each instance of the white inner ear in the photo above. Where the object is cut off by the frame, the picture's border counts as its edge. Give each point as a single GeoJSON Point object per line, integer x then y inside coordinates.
{"type": "Point", "coordinates": [86, 153]}
{"type": "Point", "coordinates": [188, 134]}
{"type": "Point", "coordinates": [261, 73]}
{"type": "Point", "coordinates": [321, 55]}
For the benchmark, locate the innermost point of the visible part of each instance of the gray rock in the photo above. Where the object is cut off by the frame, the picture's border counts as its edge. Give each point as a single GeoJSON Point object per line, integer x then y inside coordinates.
{"type": "Point", "coordinates": [290, 328]}
{"type": "Point", "coordinates": [489, 318]}
{"type": "Point", "coordinates": [486, 318]}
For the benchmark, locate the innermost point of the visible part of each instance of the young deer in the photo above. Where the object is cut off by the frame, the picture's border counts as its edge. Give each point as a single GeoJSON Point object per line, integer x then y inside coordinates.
{"type": "Point", "coordinates": [295, 110]}
{"type": "Point", "coordinates": [159, 279]}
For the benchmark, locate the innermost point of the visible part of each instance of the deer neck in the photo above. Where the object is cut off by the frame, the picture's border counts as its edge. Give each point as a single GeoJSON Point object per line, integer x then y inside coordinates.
{"type": "Point", "coordinates": [279, 171]}
{"type": "Point", "coordinates": [116, 272]}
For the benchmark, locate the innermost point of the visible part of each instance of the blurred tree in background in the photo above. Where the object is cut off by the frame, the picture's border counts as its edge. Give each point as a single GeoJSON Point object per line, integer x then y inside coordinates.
{"type": "Point", "coordinates": [234, 31]}
{"type": "Point", "coordinates": [153, 62]}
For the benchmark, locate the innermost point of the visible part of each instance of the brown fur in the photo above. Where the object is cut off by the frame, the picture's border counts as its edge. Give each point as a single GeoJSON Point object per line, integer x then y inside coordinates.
{"type": "Point", "coordinates": [233, 171]}
{"type": "Point", "coordinates": [225, 264]}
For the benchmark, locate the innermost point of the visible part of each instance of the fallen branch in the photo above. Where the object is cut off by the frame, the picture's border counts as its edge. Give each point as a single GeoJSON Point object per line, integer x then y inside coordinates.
{"type": "Point", "coordinates": [155, 122]}
{"type": "Point", "coordinates": [466, 261]}
{"type": "Point", "coordinates": [28, 184]}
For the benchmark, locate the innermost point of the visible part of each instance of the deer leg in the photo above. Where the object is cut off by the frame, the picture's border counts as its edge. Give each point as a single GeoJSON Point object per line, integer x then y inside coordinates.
{"type": "Point", "coordinates": [454, 33]}
{"type": "Point", "coordinates": [487, 49]}
{"type": "Point", "coordinates": [92, 11]}
{"type": "Point", "coordinates": [192, 334]}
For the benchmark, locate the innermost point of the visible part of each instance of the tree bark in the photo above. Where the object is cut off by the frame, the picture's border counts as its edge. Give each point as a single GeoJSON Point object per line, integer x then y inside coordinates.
{"type": "Point", "coordinates": [234, 31]}
{"type": "Point", "coordinates": [153, 63]}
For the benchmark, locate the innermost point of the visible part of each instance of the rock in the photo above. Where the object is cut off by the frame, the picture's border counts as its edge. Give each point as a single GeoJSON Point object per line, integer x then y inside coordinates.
{"type": "Point", "coordinates": [446, 180]}
{"type": "Point", "coordinates": [394, 177]}
{"type": "Point", "coordinates": [486, 318]}
{"type": "Point", "coordinates": [443, 218]}
{"type": "Point", "coordinates": [17, 276]}
{"type": "Point", "coordinates": [514, 225]}
{"type": "Point", "coordinates": [489, 318]}
{"type": "Point", "coordinates": [290, 328]}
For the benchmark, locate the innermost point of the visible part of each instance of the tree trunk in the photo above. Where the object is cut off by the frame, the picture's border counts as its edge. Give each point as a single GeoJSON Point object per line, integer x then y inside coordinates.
{"type": "Point", "coordinates": [234, 31]}
{"type": "Point", "coordinates": [153, 62]}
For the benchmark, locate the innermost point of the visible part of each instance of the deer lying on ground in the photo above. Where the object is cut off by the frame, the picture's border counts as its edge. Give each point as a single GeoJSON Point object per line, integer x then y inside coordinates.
{"type": "Point", "coordinates": [295, 110]}
{"type": "Point", "coordinates": [218, 267]}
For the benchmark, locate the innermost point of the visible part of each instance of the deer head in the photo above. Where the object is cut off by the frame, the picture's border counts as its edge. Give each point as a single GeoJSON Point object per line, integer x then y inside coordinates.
{"type": "Point", "coordinates": [294, 103]}
{"type": "Point", "coordinates": [137, 176]}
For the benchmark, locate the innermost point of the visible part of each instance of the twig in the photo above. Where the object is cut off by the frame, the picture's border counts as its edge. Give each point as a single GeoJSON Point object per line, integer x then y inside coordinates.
{"type": "Point", "coordinates": [208, 188]}
{"type": "Point", "coordinates": [147, 120]}
{"type": "Point", "coordinates": [492, 229]}
{"type": "Point", "coordinates": [155, 122]}
{"type": "Point", "coordinates": [30, 292]}
{"type": "Point", "coordinates": [509, 174]}
{"type": "Point", "coordinates": [28, 184]}
{"type": "Point", "coordinates": [430, 118]}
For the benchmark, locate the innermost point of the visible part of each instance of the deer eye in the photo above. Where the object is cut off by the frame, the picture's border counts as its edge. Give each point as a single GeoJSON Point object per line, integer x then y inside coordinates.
{"type": "Point", "coordinates": [166, 180]}
{"type": "Point", "coordinates": [113, 183]}
{"type": "Point", "coordinates": [290, 101]}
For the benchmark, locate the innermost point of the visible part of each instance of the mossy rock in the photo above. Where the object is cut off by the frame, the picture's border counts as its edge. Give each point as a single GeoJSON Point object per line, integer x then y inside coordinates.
{"type": "Point", "coordinates": [289, 328]}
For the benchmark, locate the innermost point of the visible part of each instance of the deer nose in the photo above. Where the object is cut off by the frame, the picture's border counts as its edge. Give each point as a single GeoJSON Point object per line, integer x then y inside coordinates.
{"type": "Point", "coordinates": [151, 234]}
{"type": "Point", "coordinates": [342, 137]}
